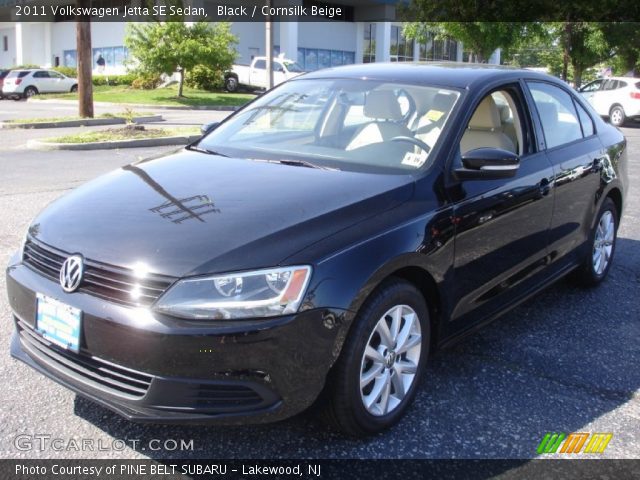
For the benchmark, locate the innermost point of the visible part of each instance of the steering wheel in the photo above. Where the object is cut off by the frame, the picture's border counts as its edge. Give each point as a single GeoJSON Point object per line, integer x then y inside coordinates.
{"type": "Point", "coordinates": [415, 141]}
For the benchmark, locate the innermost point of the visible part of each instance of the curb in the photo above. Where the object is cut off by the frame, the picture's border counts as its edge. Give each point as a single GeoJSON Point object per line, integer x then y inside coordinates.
{"type": "Point", "coordinates": [141, 142]}
{"type": "Point", "coordinates": [220, 108]}
{"type": "Point", "coordinates": [87, 122]}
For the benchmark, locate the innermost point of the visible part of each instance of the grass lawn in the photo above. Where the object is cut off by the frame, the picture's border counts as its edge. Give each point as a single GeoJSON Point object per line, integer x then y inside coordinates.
{"type": "Point", "coordinates": [159, 96]}
{"type": "Point", "coordinates": [66, 119]}
{"type": "Point", "coordinates": [114, 134]}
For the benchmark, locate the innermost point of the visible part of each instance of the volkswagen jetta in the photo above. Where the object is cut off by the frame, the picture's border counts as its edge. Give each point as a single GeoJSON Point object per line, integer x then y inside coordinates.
{"type": "Point", "coordinates": [318, 244]}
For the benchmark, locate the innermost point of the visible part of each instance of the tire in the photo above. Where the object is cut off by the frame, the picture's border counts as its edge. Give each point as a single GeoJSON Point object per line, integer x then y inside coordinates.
{"type": "Point", "coordinates": [617, 116]}
{"type": "Point", "coordinates": [231, 84]}
{"type": "Point", "coordinates": [30, 92]}
{"type": "Point", "coordinates": [350, 403]}
{"type": "Point", "coordinates": [601, 246]}
{"type": "Point", "coordinates": [74, 89]}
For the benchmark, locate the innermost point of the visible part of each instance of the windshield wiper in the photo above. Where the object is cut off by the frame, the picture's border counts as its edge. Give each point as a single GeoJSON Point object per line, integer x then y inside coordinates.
{"type": "Point", "coordinates": [195, 148]}
{"type": "Point", "coordinates": [294, 163]}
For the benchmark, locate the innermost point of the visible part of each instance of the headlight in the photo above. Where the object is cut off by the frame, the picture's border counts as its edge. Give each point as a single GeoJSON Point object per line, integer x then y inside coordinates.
{"type": "Point", "coordinates": [262, 293]}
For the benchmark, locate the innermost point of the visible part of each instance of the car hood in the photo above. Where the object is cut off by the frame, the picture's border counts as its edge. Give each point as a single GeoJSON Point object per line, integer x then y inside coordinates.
{"type": "Point", "coordinates": [191, 213]}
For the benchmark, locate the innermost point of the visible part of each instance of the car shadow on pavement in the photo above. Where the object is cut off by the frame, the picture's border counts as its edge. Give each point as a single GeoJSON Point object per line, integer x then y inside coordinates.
{"type": "Point", "coordinates": [565, 361]}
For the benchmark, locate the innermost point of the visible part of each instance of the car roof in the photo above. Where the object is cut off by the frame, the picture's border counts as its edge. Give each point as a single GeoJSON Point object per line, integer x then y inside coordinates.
{"type": "Point", "coordinates": [625, 79]}
{"type": "Point", "coordinates": [457, 75]}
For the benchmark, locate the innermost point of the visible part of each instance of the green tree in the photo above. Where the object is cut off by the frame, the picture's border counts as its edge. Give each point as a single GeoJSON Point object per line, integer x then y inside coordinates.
{"type": "Point", "coordinates": [567, 49]}
{"type": "Point", "coordinates": [480, 38]}
{"type": "Point", "coordinates": [624, 41]}
{"type": "Point", "coordinates": [176, 46]}
{"type": "Point", "coordinates": [583, 45]}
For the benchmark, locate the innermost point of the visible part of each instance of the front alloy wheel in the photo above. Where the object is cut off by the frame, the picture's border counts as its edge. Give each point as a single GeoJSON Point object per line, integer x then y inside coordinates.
{"type": "Point", "coordinates": [390, 360]}
{"type": "Point", "coordinates": [374, 380]}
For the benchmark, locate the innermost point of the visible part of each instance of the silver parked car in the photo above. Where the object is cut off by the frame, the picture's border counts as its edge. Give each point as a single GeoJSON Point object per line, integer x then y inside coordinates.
{"type": "Point", "coordinates": [617, 98]}
{"type": "Point", "coordinates": [26, 83]}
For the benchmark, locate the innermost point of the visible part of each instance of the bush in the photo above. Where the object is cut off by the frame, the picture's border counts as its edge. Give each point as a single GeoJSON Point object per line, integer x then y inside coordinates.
{"type": "Point", "coordinates": [204, 78]}
{"type": "Point", "coordinates": [67, 71]}
{"type": "Point", "coordinates": [114, 80]}
{"type": "Point", "coordinates": [27, 66]}
{"type": "Point", "coordinates": [146, 82]}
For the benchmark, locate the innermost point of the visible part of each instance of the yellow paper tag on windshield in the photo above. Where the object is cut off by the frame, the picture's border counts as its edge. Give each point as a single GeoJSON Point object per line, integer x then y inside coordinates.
{"type": "Point", "coordinates": [434, 115]}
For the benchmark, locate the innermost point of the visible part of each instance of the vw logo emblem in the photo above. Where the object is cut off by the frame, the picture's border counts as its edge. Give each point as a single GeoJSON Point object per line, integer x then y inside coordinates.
{"type": "Point", "coordinates": [71, 273]}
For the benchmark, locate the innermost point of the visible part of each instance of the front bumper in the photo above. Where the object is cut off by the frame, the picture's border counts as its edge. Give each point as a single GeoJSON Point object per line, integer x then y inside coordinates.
{"type": "Point", "coordinates": [152, 368]}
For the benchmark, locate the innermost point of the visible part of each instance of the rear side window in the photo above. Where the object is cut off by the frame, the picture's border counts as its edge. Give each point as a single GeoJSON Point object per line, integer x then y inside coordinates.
{"type": "Point", "coordinates": [18, 73]}
{"type": "Point", "coordinates": [261, 64]}
{"type": "Point", "coordinates": [621, 84]}
{"type": "Point", "coordinates": [41, 75]}
{"type": "Point", "coordinates": [585, 121]}
{"type": "Point", "coordinates": [557, 113]}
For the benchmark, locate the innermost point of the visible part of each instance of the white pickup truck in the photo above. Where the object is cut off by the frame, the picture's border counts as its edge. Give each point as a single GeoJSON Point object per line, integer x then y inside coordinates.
{"type": "Point", "coordinates": [255, 75]}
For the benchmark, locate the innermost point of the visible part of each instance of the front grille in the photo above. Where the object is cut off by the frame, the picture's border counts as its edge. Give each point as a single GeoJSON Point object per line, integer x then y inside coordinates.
{"type": "Point", "coordinates": [88, 369]}
{"type": "Point", "coordinates": [112, 283]}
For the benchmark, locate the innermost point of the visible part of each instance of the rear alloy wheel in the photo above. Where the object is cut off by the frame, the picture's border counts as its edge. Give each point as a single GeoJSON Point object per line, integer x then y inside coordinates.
{"type": "Point", "coordinates": [231, 84]}
{"type": "Point", "coordinates": [382, 361]}
{"type": "Point", "coordinates": [602, 246]}
{"type": "Point", "coordinates": [617, 116]}
{"type": "Point", "coordinates": [30, 92]}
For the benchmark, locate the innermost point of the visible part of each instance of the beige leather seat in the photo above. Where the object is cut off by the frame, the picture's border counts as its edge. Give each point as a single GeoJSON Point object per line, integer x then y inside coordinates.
{"type": "Point", "coordinates": [432, 117]}
{"type": "Point", "coordinates": [507, 124]}
{"type": "Point", "coordinates": [441, 105]}
{"type": "Point", "coordinates": [383, 108]}
{"type": "Point", "coordinates": [485, 130]}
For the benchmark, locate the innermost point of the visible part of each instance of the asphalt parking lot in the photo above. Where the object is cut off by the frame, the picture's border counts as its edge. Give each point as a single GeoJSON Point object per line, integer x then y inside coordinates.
{"type": "Point", "coordinates": [565, 361]}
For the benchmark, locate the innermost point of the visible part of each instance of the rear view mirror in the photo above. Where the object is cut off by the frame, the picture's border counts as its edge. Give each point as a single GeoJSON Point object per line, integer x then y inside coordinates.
{"type": "Point", "coordinates": [488, 164]}
{"type": "Point", "coordinates": [208, 127]}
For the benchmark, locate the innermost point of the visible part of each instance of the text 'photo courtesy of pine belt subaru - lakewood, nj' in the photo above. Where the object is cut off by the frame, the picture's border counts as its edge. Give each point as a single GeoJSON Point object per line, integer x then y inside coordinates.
{"type": "Point", "coordinates": [318, 245]}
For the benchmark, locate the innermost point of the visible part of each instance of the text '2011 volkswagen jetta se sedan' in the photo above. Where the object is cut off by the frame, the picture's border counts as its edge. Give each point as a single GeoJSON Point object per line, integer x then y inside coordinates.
{"type": "Point", "coordinates": [318, 243]}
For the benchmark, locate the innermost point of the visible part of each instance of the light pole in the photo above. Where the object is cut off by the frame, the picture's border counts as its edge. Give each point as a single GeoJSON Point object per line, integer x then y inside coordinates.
{"type": "Point", "coordinates": [269, 45]}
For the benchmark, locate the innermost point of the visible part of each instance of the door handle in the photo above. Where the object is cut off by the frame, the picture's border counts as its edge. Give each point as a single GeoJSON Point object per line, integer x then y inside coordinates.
{"type": "Point", "coordinates": [598, 164]}
{"type": "Point", "coordinates": [544, 186]}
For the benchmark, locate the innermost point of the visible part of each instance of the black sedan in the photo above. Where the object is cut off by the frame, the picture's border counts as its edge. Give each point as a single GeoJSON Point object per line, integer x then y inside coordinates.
{"type": "Point", "coordinates": [319, 244]}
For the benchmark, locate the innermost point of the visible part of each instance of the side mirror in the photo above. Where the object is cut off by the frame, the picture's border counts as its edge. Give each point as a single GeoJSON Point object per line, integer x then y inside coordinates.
{"type": "Point", "coordinates": [208, 127]}
{"type": "Point", "coordinates": [488, 164]}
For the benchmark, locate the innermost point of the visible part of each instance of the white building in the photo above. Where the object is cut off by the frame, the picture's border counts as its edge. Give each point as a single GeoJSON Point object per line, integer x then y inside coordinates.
{"type": "Point", "coordinates": [313, 44]}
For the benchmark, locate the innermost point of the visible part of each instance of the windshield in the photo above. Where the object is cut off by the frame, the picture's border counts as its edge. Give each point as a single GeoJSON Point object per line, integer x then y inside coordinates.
{"type": "Point", "coordinates": [352, 124]}
{"type": "Point", "coordinates": [293, 67]}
